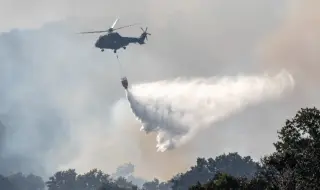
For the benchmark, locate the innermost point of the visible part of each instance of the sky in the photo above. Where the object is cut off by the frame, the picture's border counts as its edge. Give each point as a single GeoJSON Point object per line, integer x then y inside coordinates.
{"type": "Point", "coordinates": [62, 101]}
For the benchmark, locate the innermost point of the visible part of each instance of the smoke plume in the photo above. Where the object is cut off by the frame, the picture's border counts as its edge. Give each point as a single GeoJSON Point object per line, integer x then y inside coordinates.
{"type": "Point", "coordinates": [295, 45]}
{"type": "Point", "coordinates": [59, 95]}
{"type": "Point", "coordinates": [177, 109]}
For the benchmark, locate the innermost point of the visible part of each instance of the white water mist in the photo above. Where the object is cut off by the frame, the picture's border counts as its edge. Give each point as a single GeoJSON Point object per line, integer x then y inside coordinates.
{"type": "Point", "coordinates": [176, 109]}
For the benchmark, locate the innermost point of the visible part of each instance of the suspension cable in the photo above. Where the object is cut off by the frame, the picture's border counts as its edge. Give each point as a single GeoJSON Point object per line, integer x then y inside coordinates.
{"type": "Point", "coordinates": [120, 67]}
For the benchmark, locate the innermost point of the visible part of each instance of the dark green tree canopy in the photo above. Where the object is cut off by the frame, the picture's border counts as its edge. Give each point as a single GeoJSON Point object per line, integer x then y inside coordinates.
{"type": "Point", "coordinates": [297, 157]}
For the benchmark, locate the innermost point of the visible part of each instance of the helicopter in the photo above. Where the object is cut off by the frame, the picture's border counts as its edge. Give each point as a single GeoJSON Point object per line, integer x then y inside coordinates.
{"type": "Point", "coordinates": [114, 41]}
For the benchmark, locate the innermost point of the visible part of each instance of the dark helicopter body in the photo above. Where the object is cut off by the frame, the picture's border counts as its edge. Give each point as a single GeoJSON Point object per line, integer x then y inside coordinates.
{"type": "Point", "coordinates": [115, 41]}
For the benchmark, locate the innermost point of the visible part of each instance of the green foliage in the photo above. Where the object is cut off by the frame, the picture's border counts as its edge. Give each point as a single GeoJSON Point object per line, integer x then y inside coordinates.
{"type": "Point", "coordinates": [156, 185]}
{"type": "Point", "coordinates": [92, 180]}
{"type": "Point", "coordinates": [232, 164]}
{"type": "Point", "coordinates": [294, 165]}
{"type": "Point", "coordinates": [222, 181]}
{"type": "Point", "coordinates": [296, 162]}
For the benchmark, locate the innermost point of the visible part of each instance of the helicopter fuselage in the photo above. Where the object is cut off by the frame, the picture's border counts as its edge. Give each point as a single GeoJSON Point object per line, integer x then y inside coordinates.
{"type": "Point", "coordinates": [115, 41]}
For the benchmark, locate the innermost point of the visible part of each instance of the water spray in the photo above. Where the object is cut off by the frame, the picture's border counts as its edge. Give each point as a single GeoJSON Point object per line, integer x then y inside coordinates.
{"type": "Point", "coordinates": [176, 110]}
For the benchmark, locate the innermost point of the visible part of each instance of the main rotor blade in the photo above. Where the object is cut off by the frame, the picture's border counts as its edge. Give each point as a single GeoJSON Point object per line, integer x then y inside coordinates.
{"type": "Point", "coordinates": [126, 26]}
{"type": "Point", "coordinates": [93, 32]}
{"type": "Point", "coordinates": [101, 31]}
{"type": "Point", "coordinates": [114, 23]}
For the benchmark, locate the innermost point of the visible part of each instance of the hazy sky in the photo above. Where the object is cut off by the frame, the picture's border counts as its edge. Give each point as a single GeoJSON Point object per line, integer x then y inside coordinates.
{"type": "Point", "coordinates": [61, 97]}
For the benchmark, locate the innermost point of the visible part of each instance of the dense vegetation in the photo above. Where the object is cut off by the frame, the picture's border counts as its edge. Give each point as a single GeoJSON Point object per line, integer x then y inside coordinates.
{"type": "Point", "coordinates": [294, 165]}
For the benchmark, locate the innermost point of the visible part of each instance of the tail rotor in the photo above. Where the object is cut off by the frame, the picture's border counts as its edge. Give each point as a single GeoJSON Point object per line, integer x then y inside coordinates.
{"type": "Point", "coordinates": [145, 33]}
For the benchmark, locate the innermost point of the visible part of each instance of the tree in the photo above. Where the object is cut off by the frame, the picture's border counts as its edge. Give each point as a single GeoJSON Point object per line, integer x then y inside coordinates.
{"type": "Point", "coordinates": [296, 162]}
{"type": "Point", "coordinates": [123, 183]}
{"type": "Point", "coordinates": [27, 182]}
{"type": "Point", "coordinates": [6, 184]}
{"type": "Point", "coordinates": [92, 180]}
{"type": "Point", "coordinates": [232, 164]}
{"type": "Point", "coordinates": [221, 181]}
{"type": "Point", "coordinates": [63, 180]}
{"type": "Point", "coordinates": [151, 185]}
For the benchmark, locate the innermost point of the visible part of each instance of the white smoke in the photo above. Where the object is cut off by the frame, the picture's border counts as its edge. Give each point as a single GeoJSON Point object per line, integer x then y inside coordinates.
{"type": "Point", "coordinates": [177, 109]}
